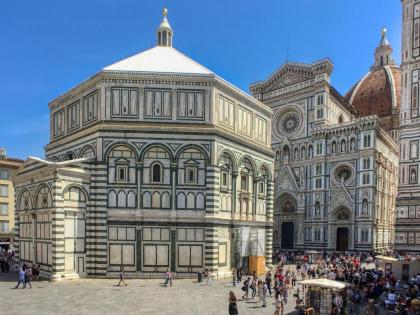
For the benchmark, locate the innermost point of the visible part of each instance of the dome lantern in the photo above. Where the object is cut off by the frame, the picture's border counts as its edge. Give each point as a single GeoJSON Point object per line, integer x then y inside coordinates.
{"type": "Point", "coordinates": [164, 31]}
{"type": "Point", "coordinates": [383, 53]}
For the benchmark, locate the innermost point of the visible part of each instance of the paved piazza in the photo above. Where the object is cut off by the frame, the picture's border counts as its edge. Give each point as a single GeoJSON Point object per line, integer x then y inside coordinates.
{"type": "Point", "coordinates": [101, 296]}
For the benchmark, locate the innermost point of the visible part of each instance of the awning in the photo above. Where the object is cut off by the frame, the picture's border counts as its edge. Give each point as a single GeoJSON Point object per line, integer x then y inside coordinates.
{"type": "Point", "coordinates": [386, 258]}
{"type": "Point", "coordinates": [324, 283]}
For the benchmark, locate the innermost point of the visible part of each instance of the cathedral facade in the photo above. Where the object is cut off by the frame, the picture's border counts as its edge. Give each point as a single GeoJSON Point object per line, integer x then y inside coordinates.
{"type": "Point", "coordinates": [154, 163]}
{"type": "Point", "coordinates": [335, 172]}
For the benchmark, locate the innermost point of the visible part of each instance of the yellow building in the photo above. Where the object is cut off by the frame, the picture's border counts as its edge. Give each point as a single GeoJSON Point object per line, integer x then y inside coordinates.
{"type": "Point", "coordinates": [8, 168]}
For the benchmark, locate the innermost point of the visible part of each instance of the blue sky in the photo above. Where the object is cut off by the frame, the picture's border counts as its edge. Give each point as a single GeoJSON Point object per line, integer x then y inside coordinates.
{"type": "Point", "coordinates": [49, 46]}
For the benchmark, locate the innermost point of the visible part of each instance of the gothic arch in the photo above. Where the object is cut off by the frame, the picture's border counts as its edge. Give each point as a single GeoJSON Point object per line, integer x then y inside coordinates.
{"type": "Point", "coordinates": [342, 213]}
{"type": "Point", "coordinates": [286, 200]}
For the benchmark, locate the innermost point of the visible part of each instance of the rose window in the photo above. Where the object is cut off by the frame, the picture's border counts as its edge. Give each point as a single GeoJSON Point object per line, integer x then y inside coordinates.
{"type": "Point", "coordinates": [343, 173]}
{"type": "Point", "coordinates": [290, 123]}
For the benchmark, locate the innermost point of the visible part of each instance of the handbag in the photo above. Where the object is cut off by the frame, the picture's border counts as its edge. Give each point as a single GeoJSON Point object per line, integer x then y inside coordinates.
{"type": "Point", "coordinates": [243, 288]}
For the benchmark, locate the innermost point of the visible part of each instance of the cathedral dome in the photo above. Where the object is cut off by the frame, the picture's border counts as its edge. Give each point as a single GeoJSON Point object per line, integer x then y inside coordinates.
{"type": "Point", "coordinates": [379, 91]}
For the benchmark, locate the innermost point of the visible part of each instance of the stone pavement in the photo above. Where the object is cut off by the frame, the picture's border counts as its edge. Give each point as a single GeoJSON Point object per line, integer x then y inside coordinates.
{"type": "Point", "coordinates": [102, 296]}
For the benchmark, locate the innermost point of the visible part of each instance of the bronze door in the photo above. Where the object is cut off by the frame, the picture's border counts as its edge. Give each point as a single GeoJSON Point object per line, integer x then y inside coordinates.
{"type": "Point", "coordinates": [287, 232]}
{"type": "Point", "coordinates": [342, 239]}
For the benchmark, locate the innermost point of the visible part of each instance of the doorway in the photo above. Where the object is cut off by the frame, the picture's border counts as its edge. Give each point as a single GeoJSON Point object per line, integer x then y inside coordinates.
{"type": "Point", "coordinates": [287, 233]}
{"type": "Point", "coordinates": [342, 239]}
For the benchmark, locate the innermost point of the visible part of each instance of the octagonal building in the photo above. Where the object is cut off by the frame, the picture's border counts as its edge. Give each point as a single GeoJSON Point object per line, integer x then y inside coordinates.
{"type": "Point", "coordinates": [153, 163]}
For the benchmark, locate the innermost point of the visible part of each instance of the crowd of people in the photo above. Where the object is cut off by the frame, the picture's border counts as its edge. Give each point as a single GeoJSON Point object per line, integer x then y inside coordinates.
{"type": "Point", "coordinates": [7, 259]}
{"type": "Point", "coordinates": [369, 289]}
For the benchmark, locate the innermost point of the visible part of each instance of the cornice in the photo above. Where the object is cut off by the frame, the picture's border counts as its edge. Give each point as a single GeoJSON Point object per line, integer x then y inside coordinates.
{"type": "Point", "coordinates": [126, 127]}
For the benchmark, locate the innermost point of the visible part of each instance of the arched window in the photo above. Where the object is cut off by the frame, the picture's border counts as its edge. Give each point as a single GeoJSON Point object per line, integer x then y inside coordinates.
{"type": "Point", "coordinates": [296, 154]}
{"type": "Point", "coordinates": [156, 173]}
{"type": "Point", "coordinates": [226, 167]}
{"type": "Point", "coordinates": [340, 119]}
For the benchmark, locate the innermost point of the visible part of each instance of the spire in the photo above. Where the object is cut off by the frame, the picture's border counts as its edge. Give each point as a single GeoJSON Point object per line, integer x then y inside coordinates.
{"type": "Point", "coordinates": [383, 53]}
{"type": "Point", "coordinates": [164, 31]}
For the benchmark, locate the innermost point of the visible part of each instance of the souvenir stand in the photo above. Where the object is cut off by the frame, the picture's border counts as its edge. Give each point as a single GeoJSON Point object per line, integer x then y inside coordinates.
{"type": "Point", "coordinates": [401, 269]}
{"type": "Point", "coordinates": [312, 256]}
{"type": "Point", "coordinates": [319, 294]}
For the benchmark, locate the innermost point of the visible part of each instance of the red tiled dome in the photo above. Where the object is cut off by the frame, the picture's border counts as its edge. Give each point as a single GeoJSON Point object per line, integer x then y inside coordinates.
{"type": "Point", "coordinates": [378, 92]}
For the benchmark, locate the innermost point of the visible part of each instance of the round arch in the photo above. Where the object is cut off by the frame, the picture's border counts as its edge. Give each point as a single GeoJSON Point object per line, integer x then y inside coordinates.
{"type": "Point", "coordinates": [19, 199]}
{"type": "Point", "coordinates": [124, 144]}
{"type": "Point", "coordinates": [192, 146]}
{"type": "Point", "coordinates": [269, 173]}
{"type": "Point", "coordinates": [251, 160]}
{"type": "Point", "coordinates": [232, 157]}
{"type": "Point", "coordinates": [70, 155]}
{"type": "Point", "coordinates": [76, 186]}
{"type": "Point", "coordinates": [37, 191]}
{"type": "Point", "coordinates": [85, 148]}
{"type": "Point", "coordinates": [159, 145]}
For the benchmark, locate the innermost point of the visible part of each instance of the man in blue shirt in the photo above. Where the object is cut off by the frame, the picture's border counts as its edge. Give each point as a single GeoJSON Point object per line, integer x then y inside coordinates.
{"type": "Point", "coordinates": [21, 278]}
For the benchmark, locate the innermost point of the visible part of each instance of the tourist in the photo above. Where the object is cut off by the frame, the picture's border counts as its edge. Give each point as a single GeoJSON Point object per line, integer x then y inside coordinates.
{"type": "Point", "coordinates": [259, 290]}
{"type": "Point", "coordinates": [209, 279]}
{"type": "Point", "coordinates": [168, 278]}
{"type": "Point", "coordinates": [35, 272]}
{"type": "Point", "coordinates": [264, 294]}
{"type": "Point", "coordinates": [245, 288]}
{"type": "Point", "coordinates": [121, 277]}
{"type": "Point", "coordinates": [234, 277]}
{"type": "Point", "coordinates": [233, 307]}
{"type": "Point", "coordinates": [268, 279]}
{"type": "Point", "coordinates": [28, 277]}
{"type": "Point", "coordinates": [278, 304]}
{"type": "Point", "coordinates": [294, 278]}
{"type": "Point", "coordinates": [21, 279]}
{"type": "Point", "coordinates": [253, 287]}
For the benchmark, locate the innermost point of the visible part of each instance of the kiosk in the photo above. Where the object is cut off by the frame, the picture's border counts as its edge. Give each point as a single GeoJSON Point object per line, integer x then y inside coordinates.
{"type": "Point", "coordinates": [319, 294]}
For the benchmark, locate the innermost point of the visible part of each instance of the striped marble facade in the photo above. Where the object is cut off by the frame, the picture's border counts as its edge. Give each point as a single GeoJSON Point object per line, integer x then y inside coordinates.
{"type": "Point", "coordinates": [148, 172]}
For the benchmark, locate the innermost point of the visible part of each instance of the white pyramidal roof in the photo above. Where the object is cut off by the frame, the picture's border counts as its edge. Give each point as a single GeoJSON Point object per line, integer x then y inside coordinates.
{"type": "Point", "coordinates": [159, 59]}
